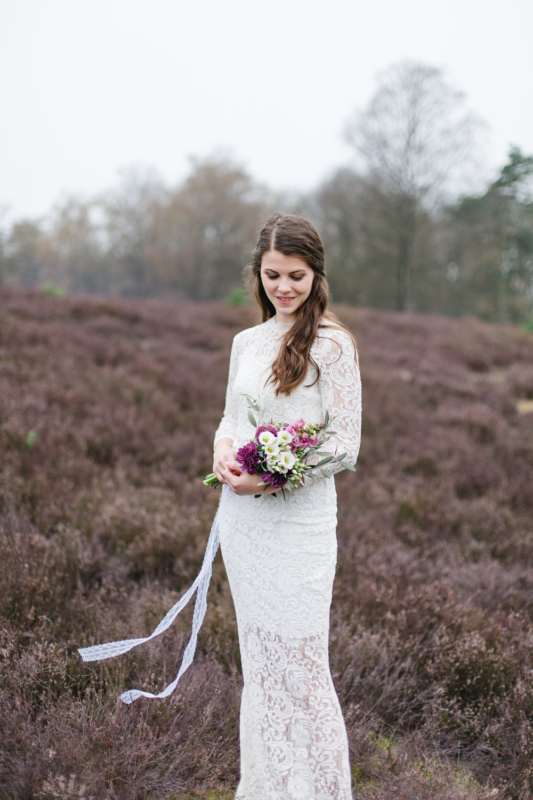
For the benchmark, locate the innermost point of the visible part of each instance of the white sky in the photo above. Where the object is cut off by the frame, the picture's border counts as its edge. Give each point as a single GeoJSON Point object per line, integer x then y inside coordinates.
{"type": "Point", "coordinates": [88, 86]}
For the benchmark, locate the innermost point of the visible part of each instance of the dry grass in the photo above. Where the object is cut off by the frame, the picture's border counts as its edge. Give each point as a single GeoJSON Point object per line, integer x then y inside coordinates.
{"type": "Point", "coordinates": [107, 412]}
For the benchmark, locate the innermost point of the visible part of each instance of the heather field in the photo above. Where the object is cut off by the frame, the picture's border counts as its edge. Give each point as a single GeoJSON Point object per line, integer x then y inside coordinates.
{"type": "Point", "coordinates": [107, 414]}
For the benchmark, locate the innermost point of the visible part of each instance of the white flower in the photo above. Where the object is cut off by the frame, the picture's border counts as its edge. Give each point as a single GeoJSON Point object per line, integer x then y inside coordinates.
{"type": "Point", "coordinates": [271, 448]}
{"type": "Point", "coordinates": [266, 437]}
{"type": "Point", "coordinates": [285, 437]}
{"type": "Point", "coordinates": [287, 459]}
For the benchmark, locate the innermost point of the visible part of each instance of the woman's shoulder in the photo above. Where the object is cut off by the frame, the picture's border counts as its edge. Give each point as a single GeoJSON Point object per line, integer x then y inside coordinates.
{"type": "Point", "coordinates": [331, 337]}
{"type": "Point", "coordinates": [256, 332]}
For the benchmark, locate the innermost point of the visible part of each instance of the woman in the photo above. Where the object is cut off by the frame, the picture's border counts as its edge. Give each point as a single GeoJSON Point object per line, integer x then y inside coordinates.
{"type": "Point", "coordinates": [280, 554]}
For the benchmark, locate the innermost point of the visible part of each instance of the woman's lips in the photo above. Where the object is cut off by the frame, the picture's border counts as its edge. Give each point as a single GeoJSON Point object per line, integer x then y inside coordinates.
{"type": "Point", "coordinates": [285, 300]}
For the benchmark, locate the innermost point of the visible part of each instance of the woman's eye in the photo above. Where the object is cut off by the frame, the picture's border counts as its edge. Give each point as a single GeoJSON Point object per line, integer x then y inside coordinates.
{"type": "Point", "coordinates": [293, 277]}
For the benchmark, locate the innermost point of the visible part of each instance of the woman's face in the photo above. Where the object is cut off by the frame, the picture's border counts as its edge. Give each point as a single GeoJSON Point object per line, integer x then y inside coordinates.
{"type": "Point", "coordinates": [287, 281]}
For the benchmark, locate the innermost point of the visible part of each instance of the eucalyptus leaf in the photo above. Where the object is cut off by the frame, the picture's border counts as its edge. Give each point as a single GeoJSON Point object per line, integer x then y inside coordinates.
{"type": "Point", "coordinates": [324, 461]}
{"type": "Point", "coordinates": [326, 419]}
{"type": "Point", "coordinates": [347, 466]}
{"type": "Point", "coordinates": [252, 402]}
{"type": "Point", "coordinates": [252, 419]}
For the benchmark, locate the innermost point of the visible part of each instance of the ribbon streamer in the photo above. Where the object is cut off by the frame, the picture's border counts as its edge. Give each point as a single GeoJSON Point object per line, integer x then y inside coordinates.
{"type": "Point", "coordinates": [100, 651]}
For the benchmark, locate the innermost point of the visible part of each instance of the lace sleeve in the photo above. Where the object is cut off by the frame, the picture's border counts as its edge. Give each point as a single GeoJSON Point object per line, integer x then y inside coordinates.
{"type": "Point", "coordinates": [340, 390]}
{"type": "Point", "coordinates": [228, 424]}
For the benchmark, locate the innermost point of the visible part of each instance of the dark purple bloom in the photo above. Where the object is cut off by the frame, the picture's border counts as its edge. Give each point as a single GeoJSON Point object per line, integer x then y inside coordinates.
{"type": "Point", "coordinates": [248, 457]}
{"type": "Point", "coordinates": [262, 428]}
{"type": "Point", "coordinates": [275, 479]}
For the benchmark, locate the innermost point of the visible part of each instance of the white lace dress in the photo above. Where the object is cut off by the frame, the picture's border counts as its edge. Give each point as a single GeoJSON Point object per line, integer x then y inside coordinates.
{"type": "Point", "coordinates": [280, 557]}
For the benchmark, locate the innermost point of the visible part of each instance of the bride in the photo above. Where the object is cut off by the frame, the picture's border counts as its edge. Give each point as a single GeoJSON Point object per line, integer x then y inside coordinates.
{"type": "Point", "coordinates": [280, 554]}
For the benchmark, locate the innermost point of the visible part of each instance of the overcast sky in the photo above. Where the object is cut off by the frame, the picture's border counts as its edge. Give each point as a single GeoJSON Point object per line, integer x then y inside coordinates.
{"type": "Point", "coordinates": [88, 86]}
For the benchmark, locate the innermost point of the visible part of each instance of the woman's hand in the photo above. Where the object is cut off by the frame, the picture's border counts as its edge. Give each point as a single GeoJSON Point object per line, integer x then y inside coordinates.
{"type": "Point", "coordinates": [243, 483]}
{"type": "Point", "coordinates": [223, 456]}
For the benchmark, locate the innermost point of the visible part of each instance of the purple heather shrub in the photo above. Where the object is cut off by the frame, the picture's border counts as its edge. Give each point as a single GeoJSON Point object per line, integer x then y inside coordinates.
{"type": "Point", "coordinates": [103, 520]}
{"type": "Point", "coordinates": [248, 457]}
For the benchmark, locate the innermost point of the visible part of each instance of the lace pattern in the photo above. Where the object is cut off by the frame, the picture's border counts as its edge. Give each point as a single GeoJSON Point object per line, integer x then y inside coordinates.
{"type": "Point", "coordinates": [292, 732]}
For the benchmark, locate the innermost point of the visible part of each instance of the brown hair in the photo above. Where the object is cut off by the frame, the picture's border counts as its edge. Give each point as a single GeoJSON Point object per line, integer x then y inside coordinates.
{"type": "Point", "coordinates": [292, 235]}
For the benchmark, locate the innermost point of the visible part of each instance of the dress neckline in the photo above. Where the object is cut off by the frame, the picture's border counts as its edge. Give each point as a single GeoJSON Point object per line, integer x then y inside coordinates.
{"type": "Point", "coordinates": [279, 325]}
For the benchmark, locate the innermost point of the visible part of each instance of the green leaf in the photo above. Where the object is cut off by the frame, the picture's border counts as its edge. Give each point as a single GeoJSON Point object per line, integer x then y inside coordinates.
{"type": "Point", "coordinates": [324, 461]}
{"type": "Point", "coordinates": [339, 458]}
{"type": "Point", "coordinates": [252, 402]}
{"type": "Point", "coordinates": [326, 419]}
{"type": "Point", "coordinates": [347, 466]}
{"type": "Point", "coordinates": [252, 419]}
{"type": "Point", "coordinates": [31, 438]}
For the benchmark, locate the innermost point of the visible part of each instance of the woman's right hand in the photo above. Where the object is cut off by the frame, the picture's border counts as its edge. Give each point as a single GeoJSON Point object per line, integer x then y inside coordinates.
{"type": "Point", "coordinates": [224, 456]}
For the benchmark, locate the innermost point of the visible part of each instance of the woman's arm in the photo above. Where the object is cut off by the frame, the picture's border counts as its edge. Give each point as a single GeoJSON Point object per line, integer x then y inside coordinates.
{"type": "Point", "coordinates": [228, 424]}
{"type": "Point", "coordinates": [227, 430]}
{"type": "Point", "coordinates": [340, 391]}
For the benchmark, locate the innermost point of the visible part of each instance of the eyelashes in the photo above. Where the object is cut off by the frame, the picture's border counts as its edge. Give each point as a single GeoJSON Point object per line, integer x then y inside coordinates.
{"type": "Point", "coordinates": [275, 277]}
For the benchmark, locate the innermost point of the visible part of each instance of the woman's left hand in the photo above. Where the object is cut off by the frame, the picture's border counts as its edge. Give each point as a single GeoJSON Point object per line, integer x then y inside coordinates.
{"type": "Point", "coordinates": [242, 483]}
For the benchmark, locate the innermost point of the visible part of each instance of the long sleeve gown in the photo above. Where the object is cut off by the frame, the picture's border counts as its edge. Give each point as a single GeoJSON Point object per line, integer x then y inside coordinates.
{"type": "Point", "coordinates": [280, 557]}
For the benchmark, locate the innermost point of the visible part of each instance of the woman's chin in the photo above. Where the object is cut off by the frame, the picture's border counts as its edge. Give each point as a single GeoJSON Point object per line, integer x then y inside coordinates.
{"type": "Point", "coordinates": [285, 313]}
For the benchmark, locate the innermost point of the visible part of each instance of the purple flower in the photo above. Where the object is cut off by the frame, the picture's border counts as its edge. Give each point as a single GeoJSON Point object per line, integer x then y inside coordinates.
{"type": "Point", "coordinates": [248, 457]}
{"type": "Point", "coordinates": [274, 479]}
{"type": "Point", "coordinates": [296, 427]}
{"type": "Point", "coordinates": [262, 428]}
{"type": "Point", "coordinates": [303, 440]}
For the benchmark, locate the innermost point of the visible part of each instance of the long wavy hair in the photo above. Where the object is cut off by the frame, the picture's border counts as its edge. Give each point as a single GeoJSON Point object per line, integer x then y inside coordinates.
{"type": "Point", "coordinates": [292, 235]}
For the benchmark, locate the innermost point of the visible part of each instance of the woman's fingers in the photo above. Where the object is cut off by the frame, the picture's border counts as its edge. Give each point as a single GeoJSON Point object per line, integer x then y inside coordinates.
{"type": "Point", "coordinates": [231, 479]}
{"type": "Point", "coordinates": [219, 469]}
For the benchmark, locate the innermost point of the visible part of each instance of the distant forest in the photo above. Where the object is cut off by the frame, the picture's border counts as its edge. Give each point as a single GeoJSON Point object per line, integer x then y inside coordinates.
{"type": "Point", "coordinates": [397, 234]}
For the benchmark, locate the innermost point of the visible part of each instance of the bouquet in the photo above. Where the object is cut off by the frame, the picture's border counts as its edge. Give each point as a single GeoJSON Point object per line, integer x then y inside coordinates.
{"type": "Point", "coordinates": [281, 452]}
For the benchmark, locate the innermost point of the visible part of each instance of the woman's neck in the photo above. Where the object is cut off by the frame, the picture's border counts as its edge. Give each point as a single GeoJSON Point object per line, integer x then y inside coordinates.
{"type": "Point", "coordinates": [284, 319]}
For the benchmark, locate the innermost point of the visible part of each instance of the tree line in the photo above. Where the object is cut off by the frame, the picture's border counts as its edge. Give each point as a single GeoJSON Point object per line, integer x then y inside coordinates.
{"type": "Point", "coordinates": [401, 230]}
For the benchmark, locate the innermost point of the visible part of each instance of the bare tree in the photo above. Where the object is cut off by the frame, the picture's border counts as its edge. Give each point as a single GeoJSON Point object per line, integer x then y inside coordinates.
{"type": "Point", "coordinates": [27, 252]}
{"type": "Point", "coordinates": [132, 217]}
{"type": "Point", "coordinates": [211, 225]}
{"type": "Point", "coordinates": [78, 247]}
{"type": "Point", "coordinates": [416, 137]}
